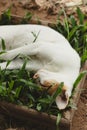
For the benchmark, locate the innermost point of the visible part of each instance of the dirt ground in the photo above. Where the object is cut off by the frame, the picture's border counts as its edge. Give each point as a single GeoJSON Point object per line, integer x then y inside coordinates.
{"type": "Point", "coordinates": [80, 117]}
{"type": "Point", "coordinates": [49, 13]}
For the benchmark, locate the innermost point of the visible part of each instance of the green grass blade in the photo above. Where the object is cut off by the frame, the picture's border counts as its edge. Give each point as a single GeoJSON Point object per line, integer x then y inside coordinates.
{"type": "Point", "coordinates": [56, 93]}
{"type": "Point", "coordinates": [35, 36]}
{"type": "Point", "coordinates": [81, 75]}
{"type": "Point", "coordinates": [17, 91]}
{"type": "Point", "coordinates": [80, 15]}
{"type": "Point", "coordinates": [59, 116]}
{"type": "Point", "coordinates": [3, 44]}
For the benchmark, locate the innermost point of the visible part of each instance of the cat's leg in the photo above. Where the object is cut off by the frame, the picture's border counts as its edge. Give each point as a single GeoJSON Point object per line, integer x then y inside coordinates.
{"type": "Point", "coordinates": [26, 50]}
{"type": "Point", "coordinates": [31, 65]}
{"type": "Point", "coordinates": [15, 64]}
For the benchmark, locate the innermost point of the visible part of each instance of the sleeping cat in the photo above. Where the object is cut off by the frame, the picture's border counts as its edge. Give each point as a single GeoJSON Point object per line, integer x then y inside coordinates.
{"type": "Point", "coordinates": [50, 56]}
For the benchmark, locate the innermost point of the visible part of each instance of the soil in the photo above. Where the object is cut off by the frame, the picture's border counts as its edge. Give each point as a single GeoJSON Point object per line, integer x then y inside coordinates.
{"type": "Point", "coordinates": [48, 13]}
{"type": "Point", "coordinates": [80, 117]}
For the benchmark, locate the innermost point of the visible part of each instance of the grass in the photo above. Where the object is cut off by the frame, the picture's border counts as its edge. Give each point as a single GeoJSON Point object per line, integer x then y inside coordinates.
{"type": "Point", "coordinates": [6, 19]}
{"type": "Point", "coordinates": [17, 86]}
{"type": "Point", "coordinates": [75, 30]}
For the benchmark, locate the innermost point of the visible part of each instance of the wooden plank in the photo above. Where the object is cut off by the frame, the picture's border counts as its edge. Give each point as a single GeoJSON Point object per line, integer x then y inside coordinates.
{"type": "Point", "coordinates": [25, 114]}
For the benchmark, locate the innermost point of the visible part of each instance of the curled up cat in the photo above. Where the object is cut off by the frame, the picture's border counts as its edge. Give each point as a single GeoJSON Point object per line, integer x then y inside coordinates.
{"type": "Point", "coordinates": [51, 57]}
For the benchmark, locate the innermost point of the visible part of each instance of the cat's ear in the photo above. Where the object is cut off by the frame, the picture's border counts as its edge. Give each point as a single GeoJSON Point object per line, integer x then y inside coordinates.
{"type": "Point", "coordinates": [62, 100]}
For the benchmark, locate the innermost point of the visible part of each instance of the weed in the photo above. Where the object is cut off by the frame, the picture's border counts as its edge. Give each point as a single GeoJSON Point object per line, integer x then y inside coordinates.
{"type": "Point", "coordinates": [35, 36]}
{"type": "Point", "coordinates": [18, 87]}
{"type": "Point", "coordinates": [6, 17]}
{"type": "Point", "coordinates": [3, 44]}
{"type": "Point", "coordinates": [27, 18]}
{"type": "Point", "coordinates": [59, 116]}
{"type": "Point", "coordinates": [75, 30]}
{"type": "Point", "coordinates": [81, 75]}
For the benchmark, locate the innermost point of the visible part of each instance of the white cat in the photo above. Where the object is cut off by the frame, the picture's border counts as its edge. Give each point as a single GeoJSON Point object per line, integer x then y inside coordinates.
{"type": "Point", "coordinates": [51, 56]}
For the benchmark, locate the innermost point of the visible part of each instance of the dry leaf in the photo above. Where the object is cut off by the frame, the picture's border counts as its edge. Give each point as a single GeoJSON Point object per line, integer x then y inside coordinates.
{"type": "Point", "coordinates": [40, 2]}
